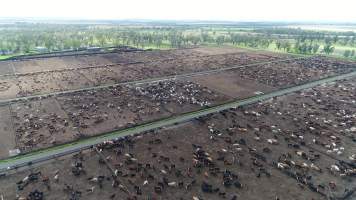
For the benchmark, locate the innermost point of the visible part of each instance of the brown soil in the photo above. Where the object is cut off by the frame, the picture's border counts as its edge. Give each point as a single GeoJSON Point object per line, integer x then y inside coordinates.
{"type": "Point", "coordinates": [7, 132]}
{"type": "Point", "coordinates": [257, 148]}
{"type": "Point", "coordinates": [41, 123]}
{"type": "Point", "coordinates": [8, 88]}
{"type": "Point", "coordinates": [229, 83]}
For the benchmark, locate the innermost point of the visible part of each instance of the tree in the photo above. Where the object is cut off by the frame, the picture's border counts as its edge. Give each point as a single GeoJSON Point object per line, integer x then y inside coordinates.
{"type": "Point", "coordinates": [220, 40]}
{"type": "Point", "coordinates": [278, 44]}
{"type": "Point", "coordinates": [347, 53]}
{"type": "Point", "coordinates": [175, 38]}
{"type": "Point", "coordinates": [102, 40]}
{"type": "Point", "coordinates": [205, 37]}
{"type": "Point", "coordinates": [335, 39]}
{"type": "Point", "coordinates": [328, 49]}
{"type": "Point", "coordinates": [49, 44]}
{"type": "Point", "coordinates": [3, 48]}
{"type": "Point", "coordinates": [286, 46]}
{"type": "Point", "coordinates": [158, 40]}
{"type": "Point", "coordinates": [316, 48]}
{"type": "Point", "coordinates": [193, 39]}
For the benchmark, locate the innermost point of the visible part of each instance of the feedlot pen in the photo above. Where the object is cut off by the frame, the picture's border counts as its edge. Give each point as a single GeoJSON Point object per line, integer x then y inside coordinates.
{"type": "Point", "coordinates": [297, 146]}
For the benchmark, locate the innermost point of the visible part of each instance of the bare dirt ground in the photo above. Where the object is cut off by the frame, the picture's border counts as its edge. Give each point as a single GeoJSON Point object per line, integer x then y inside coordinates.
{"type": "Point", "coordinates": [45, 122]}
{"type": "Point", "coordinates": [200, 63]}
{"type": "Point", "coordinates": [9, 88]}
{"type": "Point", "coordinates": [7, 133]}
{"type": "Point", "coordinates": [217, 50]}
{"type": "Point", "coordinates": [116, 68]}
{"type": "Point", "coordinates": [105, 110]}
{"type": "Point", "coordinates": [180, 96]}
{"type": "Point", "coordinates": [174, 62]}
{"type": "Point", "coordinates": [39, 65]}
{"type": "Point", "coordinates": [93, 60]}
{"type": "Point", "coordinates": [65, 185]}
{"type": "Point", "coordinates": [103, 75]}
{"type": "Point", "coordinates": [41, 123]}
{"type": "Point", "coordinates": [6, 67]}
{"type": "Point", "coordinates": [169, 164]}
{"type": "Point", "coordinates": [73, 62]}
{"type": "Point", "coordinates": [99, 111]}
{"type": "Point", "coordinates": [149, 56]}
{"type": "Point", "coordinates": [51, 82]}
{"type": "Point", "coordinates": [229, 83]}
{"type": "Point", "coordinates": [260, 151]}
{"type": "Point", "coordinates": [323, 116]}
{"type": "Point", "coordinates": [288, 73]}
{"type": "Point", "coordinates": [266, 140]}
{"type": "Point", "coordinates": [26, 66]}
{"type": "Point", "coordinates": [231, 50]}
{"type": "Point", "coordinates": [298, 146]}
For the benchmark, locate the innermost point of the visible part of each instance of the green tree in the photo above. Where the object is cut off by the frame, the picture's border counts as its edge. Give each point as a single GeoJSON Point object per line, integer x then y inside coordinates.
{"type": "Point", "coordinates": [328, 49]}
{"type": "Point", "coordinates": [278, 44]}
{"type": "Point", "coordinates": [352, 53]}
{"type": "Point", "coordinates": [347, 53]}
{"type": "Point", "coordinates": [316, 48]}
{"type": "Point", "coordinates": [220, 40]}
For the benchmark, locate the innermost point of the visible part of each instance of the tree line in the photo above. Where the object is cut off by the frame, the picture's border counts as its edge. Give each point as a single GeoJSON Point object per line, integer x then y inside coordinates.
{"type": "Point", "coordinates": [24, 38]}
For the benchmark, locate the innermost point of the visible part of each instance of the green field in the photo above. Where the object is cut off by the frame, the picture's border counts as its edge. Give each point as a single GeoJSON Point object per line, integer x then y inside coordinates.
{"type": "Point", "coordinates": [5, 57]}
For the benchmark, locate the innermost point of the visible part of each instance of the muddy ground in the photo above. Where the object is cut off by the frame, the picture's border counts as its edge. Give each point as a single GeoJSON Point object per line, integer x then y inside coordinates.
{"type": "Point", "coordinates": [289, 73]}
{"type": "Point", "coordinates": [95, 112]}
{"type": "Point", "coordinates": [323, 116]}
{"type": "Point", "coordinates": [46, 122]}
{"type": "Point", "coordinates": [51, 82]}
{"type": "Point", "coordinates": [231, 84]}
{"type": "Point", "coordinates": [73, 72]}
{"type": "Point", "coordinates": [298, 146]}
{"type": "Point", "coordinates": [7, 132]}
{"type": "Point", "coordinates": [9, 88]}
{"type": "Point", "coordinates": [39, 65]}
{"type": "Point", "coordinates": [6, 67]}
{"type": "Point", "coordinates": [281, 74]}
{"type": "Point", "coordinates": [160, 166]}
{"type": "Point", "coordinates": [276, 149]}
{"type": "Point", "coordinates": [41, 123]}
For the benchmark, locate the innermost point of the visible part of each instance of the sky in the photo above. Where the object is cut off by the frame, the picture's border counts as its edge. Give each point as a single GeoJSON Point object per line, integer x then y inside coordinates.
{"type": "Point", "coordinates": [231, 10]}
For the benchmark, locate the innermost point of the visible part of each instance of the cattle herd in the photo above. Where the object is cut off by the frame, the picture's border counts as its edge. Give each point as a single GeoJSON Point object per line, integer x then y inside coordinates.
{"type": "Point", "coordinates": [296, 146]}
